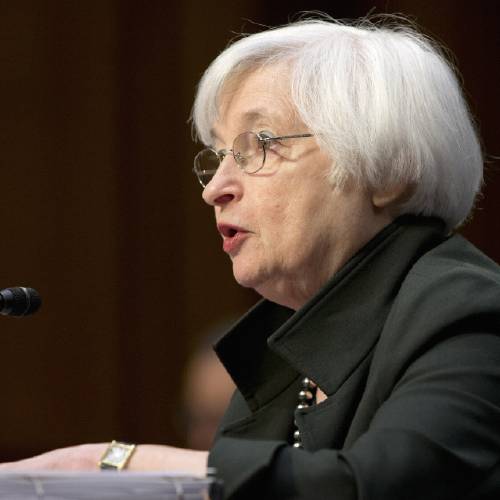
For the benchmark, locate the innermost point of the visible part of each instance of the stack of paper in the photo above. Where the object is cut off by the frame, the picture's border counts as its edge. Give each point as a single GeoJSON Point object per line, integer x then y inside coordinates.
{"type": "Point", "coordinates": [106, 485]}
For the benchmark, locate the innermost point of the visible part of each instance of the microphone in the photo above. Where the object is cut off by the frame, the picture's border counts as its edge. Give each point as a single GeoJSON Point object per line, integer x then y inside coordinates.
{"type": "Point", "coordinates": [19, 301]}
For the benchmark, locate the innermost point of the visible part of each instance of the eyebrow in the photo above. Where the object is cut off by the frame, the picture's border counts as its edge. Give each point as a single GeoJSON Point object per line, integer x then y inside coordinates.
{"type": "Point", "coordinates": [249, 117]}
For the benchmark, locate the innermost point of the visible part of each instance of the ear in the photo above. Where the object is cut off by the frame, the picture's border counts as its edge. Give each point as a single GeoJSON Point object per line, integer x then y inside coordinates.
{"type": "Point", "coordinates": [391, 195]}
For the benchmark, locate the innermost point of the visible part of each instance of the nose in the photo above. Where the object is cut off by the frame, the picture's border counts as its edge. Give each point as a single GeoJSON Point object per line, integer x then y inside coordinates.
{"type": "Point", "coordinates": [226, 185]}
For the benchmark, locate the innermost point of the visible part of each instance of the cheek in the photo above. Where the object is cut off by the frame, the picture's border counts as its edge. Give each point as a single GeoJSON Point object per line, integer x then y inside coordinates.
{"type": "Point", "coordinates": [285, 230]}
{"type": "Point", "coordinates": [287, 215]}
{"type": "Point", "coordinates": [270, 209]}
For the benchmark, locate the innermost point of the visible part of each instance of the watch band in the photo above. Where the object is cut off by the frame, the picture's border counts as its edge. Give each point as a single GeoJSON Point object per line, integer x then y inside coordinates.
{"type": "Point", "coordinates": [117, 455]}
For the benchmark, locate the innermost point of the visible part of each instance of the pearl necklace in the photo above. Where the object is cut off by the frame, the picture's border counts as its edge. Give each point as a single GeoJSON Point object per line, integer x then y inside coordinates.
{"type": "Point", "coordinates": [307, 397]}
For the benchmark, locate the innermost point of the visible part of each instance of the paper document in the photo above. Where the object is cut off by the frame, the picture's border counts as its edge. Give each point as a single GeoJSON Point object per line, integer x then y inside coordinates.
{"type": "Point", "coordinates": [106, 485]}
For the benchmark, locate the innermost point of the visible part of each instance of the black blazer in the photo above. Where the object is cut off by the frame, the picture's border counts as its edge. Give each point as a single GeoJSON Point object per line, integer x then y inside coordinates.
{"type": "Point", "coordinates": [404, 340]}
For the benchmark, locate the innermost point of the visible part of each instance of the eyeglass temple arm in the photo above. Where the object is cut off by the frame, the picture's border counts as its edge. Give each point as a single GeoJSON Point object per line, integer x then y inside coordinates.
{"type": "Point", "coordinates": [295, 136]}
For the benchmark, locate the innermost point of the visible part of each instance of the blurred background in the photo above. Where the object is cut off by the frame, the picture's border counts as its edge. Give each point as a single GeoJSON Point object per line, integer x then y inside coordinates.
{"type": "Point", "coordinates": [101, 213]}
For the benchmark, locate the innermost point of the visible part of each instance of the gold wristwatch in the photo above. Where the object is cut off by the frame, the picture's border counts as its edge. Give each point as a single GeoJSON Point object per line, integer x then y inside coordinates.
{"type": "Point", "coordinates": [117, 455]}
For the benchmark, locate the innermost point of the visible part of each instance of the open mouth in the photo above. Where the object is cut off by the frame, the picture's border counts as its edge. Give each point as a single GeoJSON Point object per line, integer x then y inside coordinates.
{"type": "Point", "coordinates": [233, 237]}
{"type": "Point", "coordinates": [228, 231]}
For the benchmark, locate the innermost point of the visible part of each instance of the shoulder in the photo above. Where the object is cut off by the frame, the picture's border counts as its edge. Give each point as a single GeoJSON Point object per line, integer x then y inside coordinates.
{"type": "Point", "coordinates": [451, 296]}
{"type": "Point", "coordinates": [456, 258]}
{"type": "Point", "coordinates": [453, 280]}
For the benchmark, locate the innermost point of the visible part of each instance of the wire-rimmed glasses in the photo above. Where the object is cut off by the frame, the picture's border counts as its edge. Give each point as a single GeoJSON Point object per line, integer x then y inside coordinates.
{"type": "Point", "coordinates": [248, 151]}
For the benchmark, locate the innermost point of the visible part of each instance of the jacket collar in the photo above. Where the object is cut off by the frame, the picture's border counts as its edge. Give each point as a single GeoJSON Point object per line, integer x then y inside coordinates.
{"type": "Point", "coordinates": [271, 346]}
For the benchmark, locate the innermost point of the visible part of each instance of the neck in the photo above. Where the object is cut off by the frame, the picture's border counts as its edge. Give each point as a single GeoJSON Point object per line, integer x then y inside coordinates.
{"type": "Point", "coordinates": [295, 289]}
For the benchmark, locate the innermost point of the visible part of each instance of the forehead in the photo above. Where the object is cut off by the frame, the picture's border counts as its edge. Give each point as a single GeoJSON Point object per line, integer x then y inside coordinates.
{"type": "Point", "coordinates": [256, 99]}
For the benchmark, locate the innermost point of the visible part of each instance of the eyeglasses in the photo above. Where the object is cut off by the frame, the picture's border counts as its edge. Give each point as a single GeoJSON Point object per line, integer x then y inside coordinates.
{"type": "Point", "coordinates": [249, 153]}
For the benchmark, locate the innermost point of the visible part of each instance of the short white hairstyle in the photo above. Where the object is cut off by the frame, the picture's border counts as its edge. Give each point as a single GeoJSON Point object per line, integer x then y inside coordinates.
{"type": "Point", "coordinates": [380, 98]}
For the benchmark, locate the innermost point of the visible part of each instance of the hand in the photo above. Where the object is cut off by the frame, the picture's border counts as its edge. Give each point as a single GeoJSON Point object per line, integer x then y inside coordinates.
{"type": "Point", "coordinates": [82, 457]}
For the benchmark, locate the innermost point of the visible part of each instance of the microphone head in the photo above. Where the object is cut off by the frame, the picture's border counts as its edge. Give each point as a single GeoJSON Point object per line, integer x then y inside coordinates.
{"type": "Point", "coordinates": [19, 301]}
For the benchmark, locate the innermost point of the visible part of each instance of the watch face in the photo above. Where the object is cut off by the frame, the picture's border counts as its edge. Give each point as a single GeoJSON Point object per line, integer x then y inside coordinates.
{"type": "Point", "coordinates": [115, 455]}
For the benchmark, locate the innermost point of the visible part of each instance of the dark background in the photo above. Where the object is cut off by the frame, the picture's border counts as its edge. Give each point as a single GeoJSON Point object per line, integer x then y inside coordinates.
{"type": "Point", "coordinates": [101, 213]}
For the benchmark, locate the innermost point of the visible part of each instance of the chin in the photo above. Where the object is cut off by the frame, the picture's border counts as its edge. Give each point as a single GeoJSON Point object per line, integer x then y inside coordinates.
{"type": "Point", "coordinates": [245, 280]}
{"type": "Point", "coordinates": [247, 275]}
{"type": "Point", "coordinates": [260, 281]}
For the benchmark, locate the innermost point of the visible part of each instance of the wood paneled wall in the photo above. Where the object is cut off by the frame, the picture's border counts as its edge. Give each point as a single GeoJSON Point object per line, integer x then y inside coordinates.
{"type": "Point", "coordinates": [102, 214]}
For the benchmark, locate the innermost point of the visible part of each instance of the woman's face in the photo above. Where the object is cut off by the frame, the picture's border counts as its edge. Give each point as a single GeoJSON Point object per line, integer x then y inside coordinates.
{"type": "Point", "coordinates": [286, 229]}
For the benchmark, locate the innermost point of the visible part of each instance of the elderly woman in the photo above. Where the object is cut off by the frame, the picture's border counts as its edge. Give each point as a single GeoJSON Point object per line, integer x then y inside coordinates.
{"type": "Point", "coordinates": [339, 161]}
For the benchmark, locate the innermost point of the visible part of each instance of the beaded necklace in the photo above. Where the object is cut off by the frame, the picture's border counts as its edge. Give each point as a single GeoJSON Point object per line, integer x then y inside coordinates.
{"type": "Point", "coordinates": [307, 397]}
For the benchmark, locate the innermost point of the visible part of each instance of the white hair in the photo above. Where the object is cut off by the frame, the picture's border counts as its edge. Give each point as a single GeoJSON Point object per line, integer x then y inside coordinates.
{"type": "Point", "coordinates": [381, 100]}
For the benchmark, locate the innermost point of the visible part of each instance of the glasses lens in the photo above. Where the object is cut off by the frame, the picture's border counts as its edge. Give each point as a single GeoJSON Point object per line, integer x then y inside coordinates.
{"type": "Point", "coordinates": [248, 152]}
{"type": "Point", "coordinates": [206, 163]}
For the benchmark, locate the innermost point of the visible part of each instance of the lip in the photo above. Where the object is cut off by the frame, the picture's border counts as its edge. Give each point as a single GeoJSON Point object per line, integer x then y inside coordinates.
{"type": "Point", "coordinates": [233, 237]}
